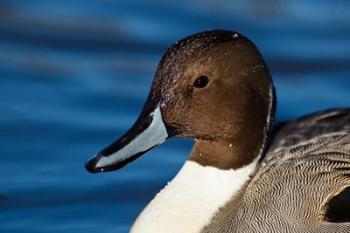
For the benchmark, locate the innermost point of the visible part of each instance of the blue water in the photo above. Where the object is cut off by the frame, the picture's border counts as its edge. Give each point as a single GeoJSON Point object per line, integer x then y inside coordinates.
{"type": "Point", "coordinates": [74, 76]}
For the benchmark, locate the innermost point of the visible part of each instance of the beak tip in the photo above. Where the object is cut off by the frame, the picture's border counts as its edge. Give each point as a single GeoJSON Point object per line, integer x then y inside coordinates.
{"type": "Point", "coordinates": [90, 165]}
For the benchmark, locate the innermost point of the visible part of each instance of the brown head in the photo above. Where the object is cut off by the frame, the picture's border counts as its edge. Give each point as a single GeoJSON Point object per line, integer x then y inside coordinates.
{"type": "Point", "coordinates": [212, 86]}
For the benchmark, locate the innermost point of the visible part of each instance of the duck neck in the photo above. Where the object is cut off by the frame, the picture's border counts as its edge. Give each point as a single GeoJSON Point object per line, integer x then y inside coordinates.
{"type": "Point", "coordinates": [191, 199]}
{"type": "Point", "coordinates": [225, 155]}
{"type": "Point", "coordinates": [201, 187]}
{"type": "Point", "coordinates": [215, 172]}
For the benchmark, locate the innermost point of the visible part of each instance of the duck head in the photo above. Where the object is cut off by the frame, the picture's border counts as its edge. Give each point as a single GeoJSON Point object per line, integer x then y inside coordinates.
{"type": "Point", "coordinates": [213, 86]}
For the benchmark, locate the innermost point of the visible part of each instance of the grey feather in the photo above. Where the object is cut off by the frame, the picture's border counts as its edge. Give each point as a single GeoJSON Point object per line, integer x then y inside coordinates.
{"type": "Point", "coordinates": [306, 166]}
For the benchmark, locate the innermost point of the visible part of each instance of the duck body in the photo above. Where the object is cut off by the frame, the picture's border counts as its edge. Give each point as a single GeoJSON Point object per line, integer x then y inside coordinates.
{"type": "Point", "coordinates": [306, 166]}
{"type": "Point", "coordinates": [215, 87]}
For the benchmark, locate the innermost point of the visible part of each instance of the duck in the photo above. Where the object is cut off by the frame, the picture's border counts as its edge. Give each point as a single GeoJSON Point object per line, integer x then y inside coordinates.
{"type": "Point", "coordinates": [244, 173]}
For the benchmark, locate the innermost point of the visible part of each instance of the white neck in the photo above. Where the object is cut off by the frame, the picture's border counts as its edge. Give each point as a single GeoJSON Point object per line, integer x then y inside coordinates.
{"type": "Point", "coordinates": [191, 199]}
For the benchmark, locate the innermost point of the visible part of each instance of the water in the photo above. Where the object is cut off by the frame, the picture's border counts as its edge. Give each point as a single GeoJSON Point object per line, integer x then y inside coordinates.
{"type": "Point", "coordinates": [74, 76]}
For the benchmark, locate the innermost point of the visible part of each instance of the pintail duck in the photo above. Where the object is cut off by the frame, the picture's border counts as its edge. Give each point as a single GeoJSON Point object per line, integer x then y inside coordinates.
{"type": "Point", "coordinates": [215, 87]}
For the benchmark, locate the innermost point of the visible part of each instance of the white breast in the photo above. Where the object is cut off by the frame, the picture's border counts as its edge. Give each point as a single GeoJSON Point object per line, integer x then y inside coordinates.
{"type": "Point", "coordinates": [191, 199]}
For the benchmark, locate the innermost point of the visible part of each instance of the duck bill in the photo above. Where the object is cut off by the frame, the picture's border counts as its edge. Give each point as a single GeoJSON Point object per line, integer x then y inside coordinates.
{"type": "Point", "coordinates": [148, 131]}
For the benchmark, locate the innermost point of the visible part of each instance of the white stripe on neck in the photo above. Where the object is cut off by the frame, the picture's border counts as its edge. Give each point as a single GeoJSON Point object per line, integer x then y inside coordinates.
{"type": "Point", "coordinates": [191, 199]}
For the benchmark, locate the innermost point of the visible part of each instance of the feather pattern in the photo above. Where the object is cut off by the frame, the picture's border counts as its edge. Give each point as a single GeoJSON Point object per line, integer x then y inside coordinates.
{"type": "Point", "coordinates": [306, 166]}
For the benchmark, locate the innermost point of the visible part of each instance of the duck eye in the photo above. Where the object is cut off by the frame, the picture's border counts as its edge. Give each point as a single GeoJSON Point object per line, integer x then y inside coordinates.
{"type": "Point", "coordinates": [201, 82]}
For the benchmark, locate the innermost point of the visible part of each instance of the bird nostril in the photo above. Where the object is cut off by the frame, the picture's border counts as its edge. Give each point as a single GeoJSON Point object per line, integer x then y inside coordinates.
{"type": "Point", "coordinates": [147, 123]}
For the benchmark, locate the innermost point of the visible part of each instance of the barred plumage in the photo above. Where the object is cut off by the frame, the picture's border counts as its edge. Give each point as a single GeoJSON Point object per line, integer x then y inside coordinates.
{"type": "Point", "coordinates": [306, 166]}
